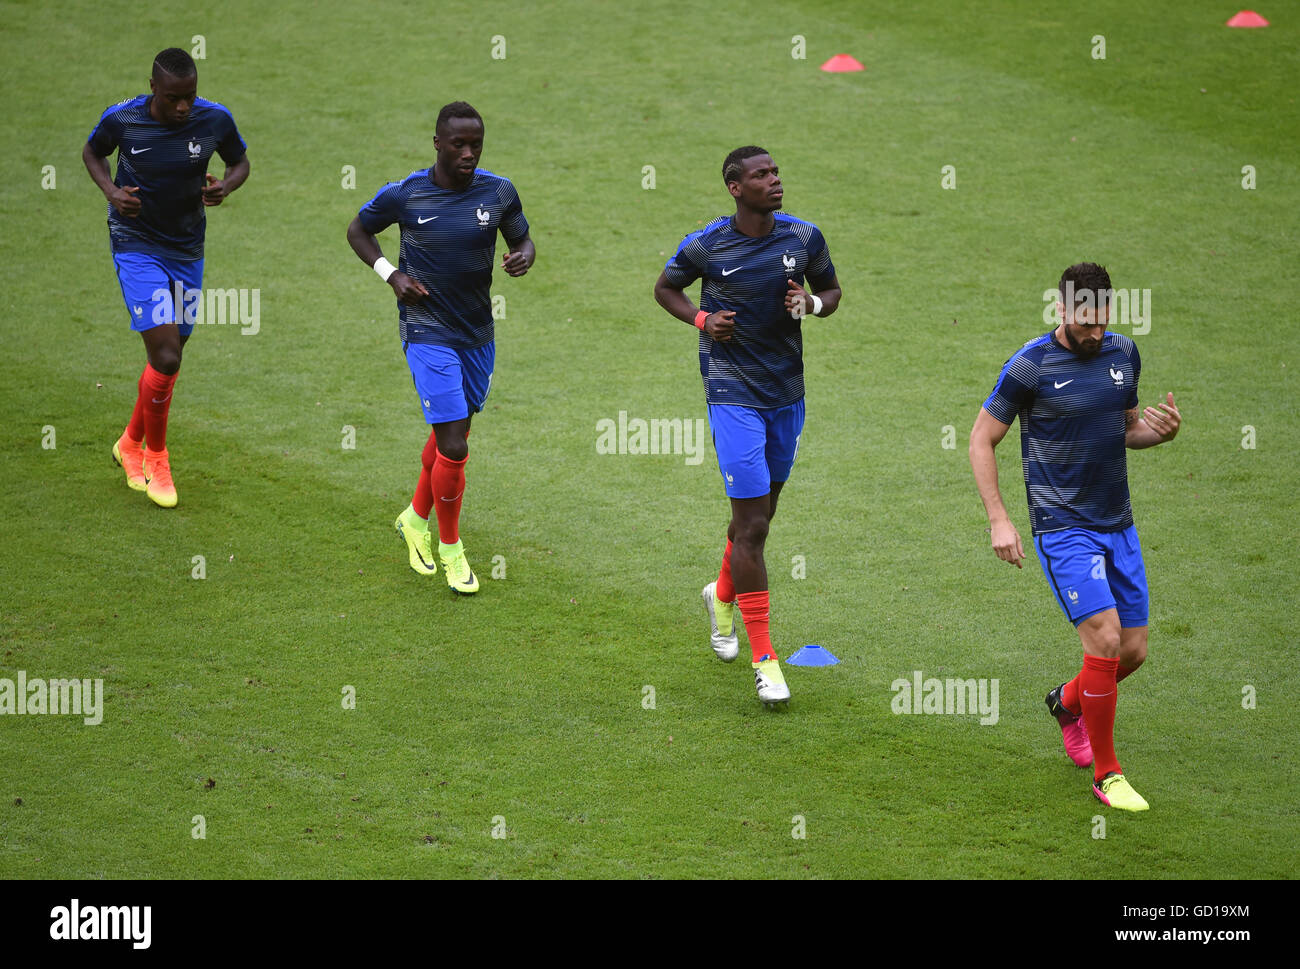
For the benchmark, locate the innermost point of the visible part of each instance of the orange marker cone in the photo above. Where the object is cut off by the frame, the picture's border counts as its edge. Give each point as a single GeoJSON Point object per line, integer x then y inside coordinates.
{"type": "Point", "coordinates": [1247, 18]}
{"type": "Point", "coordinates": [841, 63]}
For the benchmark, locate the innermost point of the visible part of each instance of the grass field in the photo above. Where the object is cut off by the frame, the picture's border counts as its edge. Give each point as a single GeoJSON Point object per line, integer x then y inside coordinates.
{"type": "Point", "coordinates": [523, 711]}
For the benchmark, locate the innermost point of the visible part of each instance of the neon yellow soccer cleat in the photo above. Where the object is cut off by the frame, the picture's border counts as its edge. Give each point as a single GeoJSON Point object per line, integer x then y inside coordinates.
{"type": "Point", "coordinates": [415, 531]}
{"type": "Point", "coordinates": [460, 577]}
{"type": "Point", "coordinates": [1114, 791]}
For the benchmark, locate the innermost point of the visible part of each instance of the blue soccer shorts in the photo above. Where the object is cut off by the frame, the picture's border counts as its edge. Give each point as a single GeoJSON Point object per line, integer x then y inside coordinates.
{"type": "Point", "coordinates": [149, 285]}
{"type": "Point", "coordinates": [1090, 572]}
{"type": "Point", "coordinates": [755, 447]}
{"type": "Point", "coordinates": [452, 383]}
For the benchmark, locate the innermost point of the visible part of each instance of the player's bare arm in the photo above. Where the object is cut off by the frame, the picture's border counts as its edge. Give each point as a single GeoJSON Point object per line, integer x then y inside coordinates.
{"type": "Point", "coordinates": [718, 325]}
{"type": "Point", "coordinates": [520, 257]}
{"type": "Point", "coordinates": [216, 189]}
{"type": "Point", "coordinates": [986, 435]}
{"type": "Point", "coordinates": [799, 302]}
{"type": "Point", "coordinates": [123, 199]}
{"type": "Point", "coordinates": [366, 246]}
{"type": "Point", "coordinates": [1156, 425]}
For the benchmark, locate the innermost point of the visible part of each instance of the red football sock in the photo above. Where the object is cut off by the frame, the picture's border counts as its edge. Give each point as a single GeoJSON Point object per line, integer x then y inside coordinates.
{"type": "Point", "coordinates": [1070, 695]}
{"type": "Point", "coordinates": [156, 399]}
{"type": "Point", "coordinates": [422, 500]}
{"type": "Point", "coordinates": [135, 429]}
{"type": "Point", "coordinates": [448, 487]}
{"type": "Point", "coordinates": [724, 590]}
{"type": "Point", "coordinates": [754, 613]}
{"type": "Point", "coordinates": [1098, 693]}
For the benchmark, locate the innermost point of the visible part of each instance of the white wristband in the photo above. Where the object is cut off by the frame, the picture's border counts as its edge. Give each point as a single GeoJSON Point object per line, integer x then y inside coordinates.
{"type": "Point", "coordinates": [817, 304]}
{"type": "Point", "coordinates": [386, 269]}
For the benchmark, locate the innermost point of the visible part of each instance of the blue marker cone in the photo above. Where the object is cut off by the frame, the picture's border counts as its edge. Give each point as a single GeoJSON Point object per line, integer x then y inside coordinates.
{"type": "Point", "coordinates": [812, 655]}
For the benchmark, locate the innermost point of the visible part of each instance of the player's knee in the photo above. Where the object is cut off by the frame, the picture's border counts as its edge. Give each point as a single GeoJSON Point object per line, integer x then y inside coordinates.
{"type": "Point", "coordinates": [1107, 642]}
{"type": "Point", "coordinates": [166, 361]}
{"type": "Point", "coordinates": [453, 448]}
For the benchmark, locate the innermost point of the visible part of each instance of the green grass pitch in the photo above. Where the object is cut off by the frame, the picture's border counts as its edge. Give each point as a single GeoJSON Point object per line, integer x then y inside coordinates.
{"type": "Point", "coordinates": [508, 735]}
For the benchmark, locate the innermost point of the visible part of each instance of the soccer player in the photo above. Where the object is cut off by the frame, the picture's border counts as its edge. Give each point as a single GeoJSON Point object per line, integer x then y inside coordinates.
{"type": "Point", "coordinates": [752, 303]}
{"type": "Point", "coordinates": [156, 224]}
{"type": "Point", "coordinates": [1075, 391]}
{"type": "Point", "coordinates": [449, 216]}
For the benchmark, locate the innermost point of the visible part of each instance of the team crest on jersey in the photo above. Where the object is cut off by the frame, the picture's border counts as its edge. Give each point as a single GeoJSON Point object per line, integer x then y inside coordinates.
{"type": "Point", "coordinates": [789, 262]}
{"type": "Point", "coordinates": [1074, 596]}
{"type": "Point", "coordinates": [195, 151]}
{"type": "Point", "coordinates": [484, 216]}
{"type": "Point", "coordinates": [1117, 375]}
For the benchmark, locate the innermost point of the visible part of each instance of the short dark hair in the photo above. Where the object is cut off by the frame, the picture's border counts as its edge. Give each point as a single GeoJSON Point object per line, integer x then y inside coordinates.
{"type": "Point", "coordinates": [175, 62]}
{"type": "Point", "coordinates": [457, 109]}
{"type": "Point", "coordinates": [732, 168]}
{"type": "Point", "coordinates": [1084, 282]}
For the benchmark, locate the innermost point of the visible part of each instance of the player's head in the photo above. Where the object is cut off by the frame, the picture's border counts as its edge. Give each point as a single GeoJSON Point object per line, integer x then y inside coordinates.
{"type": "Point", "coordinates": [458, 137]}
{"type": "Point", "coordinates": [1084, 307]}
{"type": "Point", "coordinates": [174, 84]}
{"type": "Point", "coordinates": [753, 179]}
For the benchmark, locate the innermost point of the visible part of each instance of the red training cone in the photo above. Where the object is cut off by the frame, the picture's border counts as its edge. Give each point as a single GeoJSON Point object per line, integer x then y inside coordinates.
{"type": "Point", "coordinates": [843, 62]}
{"type": "Point", "coordinates": [1247, 18]}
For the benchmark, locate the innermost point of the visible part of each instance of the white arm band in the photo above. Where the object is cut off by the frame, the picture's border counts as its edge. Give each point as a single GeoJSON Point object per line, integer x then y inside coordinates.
{"type": "Point", "coordinates": [386, 269]}
{"type": "Point", "coordinates": [817, 304]}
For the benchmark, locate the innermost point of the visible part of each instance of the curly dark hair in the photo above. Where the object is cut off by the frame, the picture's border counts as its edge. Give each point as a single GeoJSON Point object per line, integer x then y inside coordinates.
{"type": "Point", "coordinates": [732, 168]}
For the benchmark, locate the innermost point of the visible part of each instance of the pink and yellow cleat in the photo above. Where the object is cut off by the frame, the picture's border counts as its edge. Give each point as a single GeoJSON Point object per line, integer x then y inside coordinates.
{"type": "Point", "coordinates": [158, 477]}
{"type": "Point", "coordinates": [1073, 732]}
{"type": "Point", "coordinates": [129, 456]}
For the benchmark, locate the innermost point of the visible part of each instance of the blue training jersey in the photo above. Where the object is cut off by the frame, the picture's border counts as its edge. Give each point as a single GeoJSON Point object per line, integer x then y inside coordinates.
{"type": "Point", "coordinates": [449, 243]}
{"type": "Point", "coordinates": [1072, 429]}
{"type": "Point", "coordinates": [761, 366]}
{"type": "Point", "coordinates": [168, 165]}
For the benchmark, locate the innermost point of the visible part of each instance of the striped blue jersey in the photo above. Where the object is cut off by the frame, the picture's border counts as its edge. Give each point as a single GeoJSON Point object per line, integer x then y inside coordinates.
{"type": "Point", "coordinates": [1072, 429]}
{"type": "Point", "coordinates": [761, 366]}
{"type": "Point", "coordinates": [449, 243]}
{"type": "Point", "coordinates": [168, 165]}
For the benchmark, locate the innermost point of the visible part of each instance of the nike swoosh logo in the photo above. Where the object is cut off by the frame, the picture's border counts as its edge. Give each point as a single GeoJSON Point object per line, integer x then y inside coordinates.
{"type": "Point", "coordinates": [1062, 384]}
{"type": "Point", "coordinates": [163, 401]}
{"type": "Point", "coordinates": [728, 272]}
{"type": "Point", "coordinates": [1096, 696]}
{"type": "Point", "coordinates": [140, 151]}
{"type": "Point", "coordinates": [429, 219]}
{"type": "Point", "coordinates": [457, 498]}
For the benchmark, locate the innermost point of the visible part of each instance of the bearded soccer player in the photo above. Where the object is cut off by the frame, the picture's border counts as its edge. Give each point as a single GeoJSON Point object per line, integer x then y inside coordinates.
{"type": "Point", "coordinates": [156, 225]}
{"type": "Point", "coordinates": [449, 216]}
{"type": "Point", "coordinates": [1075, 391]}
{"type": "Point", "coordinates": [752, 304]}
